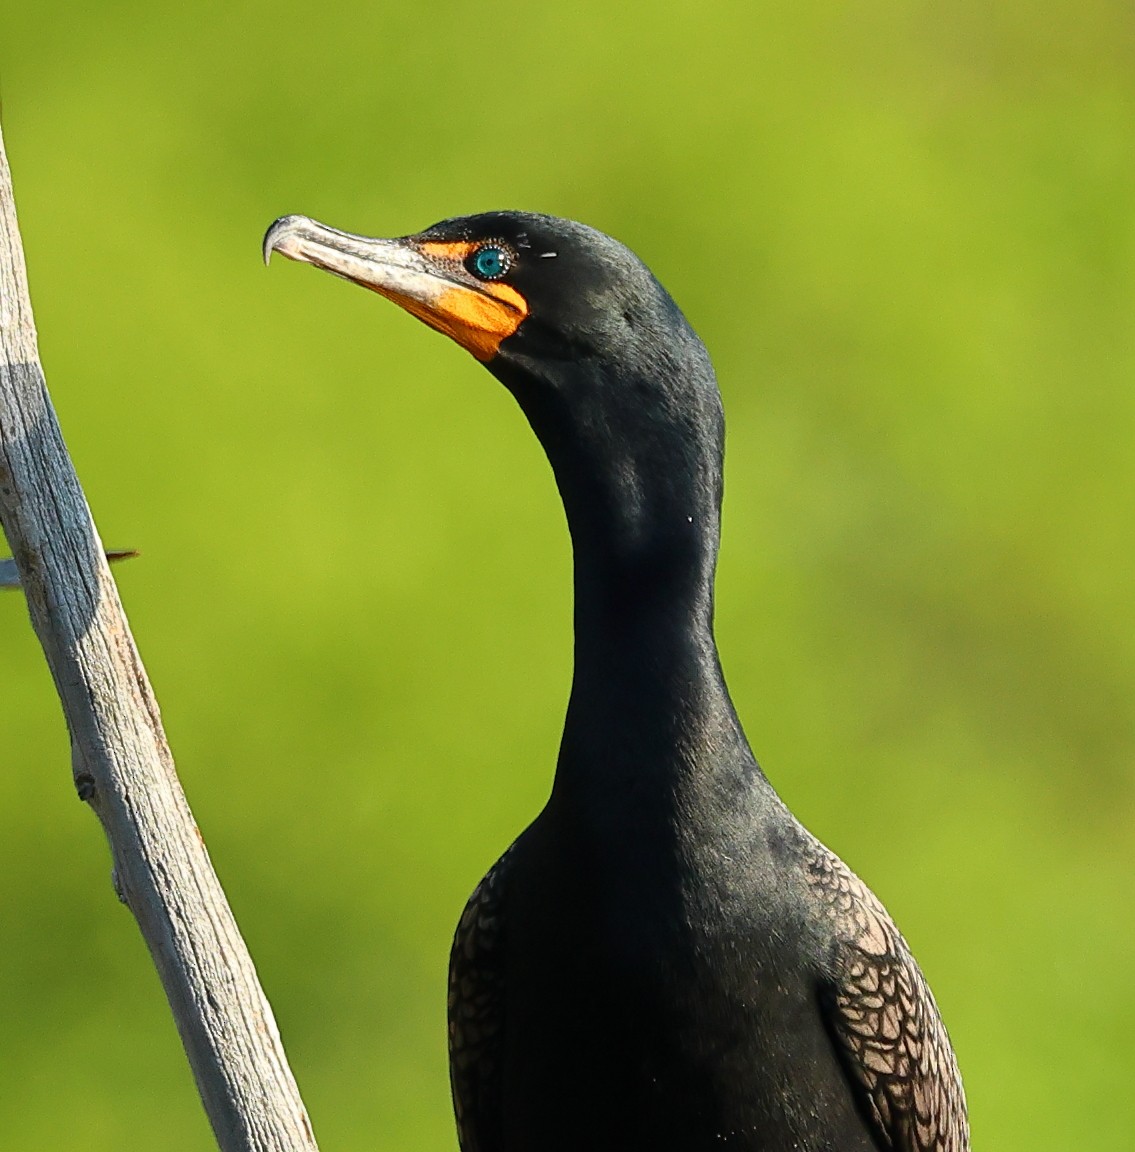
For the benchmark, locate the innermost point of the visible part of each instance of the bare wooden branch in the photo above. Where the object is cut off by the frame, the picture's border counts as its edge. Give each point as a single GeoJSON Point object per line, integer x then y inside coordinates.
{"type": "Point", "coordinates": [122, 764]}
{"type": "Point", "coordinates": [10, 576]}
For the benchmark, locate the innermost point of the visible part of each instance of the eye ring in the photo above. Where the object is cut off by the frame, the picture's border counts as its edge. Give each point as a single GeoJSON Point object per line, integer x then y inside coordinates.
{"type": "Point", "coordinates": [490, 261]}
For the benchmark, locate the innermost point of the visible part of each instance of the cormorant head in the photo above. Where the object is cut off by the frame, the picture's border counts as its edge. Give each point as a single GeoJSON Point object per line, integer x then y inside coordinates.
{"type": "Point", "coordinates": [613, 379]}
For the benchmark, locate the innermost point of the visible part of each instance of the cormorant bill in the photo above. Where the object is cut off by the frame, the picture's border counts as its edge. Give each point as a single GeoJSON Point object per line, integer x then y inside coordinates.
{"type": "Point", "coordinates": [665, 960]}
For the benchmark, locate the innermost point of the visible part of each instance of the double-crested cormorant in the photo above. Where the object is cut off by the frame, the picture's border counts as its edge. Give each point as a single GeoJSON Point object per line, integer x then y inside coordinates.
{"type": "Point", "coordinates": [665, 960]}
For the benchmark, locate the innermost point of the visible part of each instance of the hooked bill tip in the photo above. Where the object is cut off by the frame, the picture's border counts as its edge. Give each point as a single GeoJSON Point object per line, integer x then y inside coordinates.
{"type": "Point", "coordinates": [266, 243]}
{"type": "Point", "coordinates": [280, 224]}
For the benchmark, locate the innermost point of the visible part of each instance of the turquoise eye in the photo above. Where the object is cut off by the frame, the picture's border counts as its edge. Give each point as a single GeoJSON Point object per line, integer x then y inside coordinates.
{"type": "Point", "coordinates": [490, 262]}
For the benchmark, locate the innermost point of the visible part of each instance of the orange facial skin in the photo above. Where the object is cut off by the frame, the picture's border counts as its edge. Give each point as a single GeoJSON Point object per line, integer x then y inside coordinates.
{"type": "Point", "coordinates": [477, 318]}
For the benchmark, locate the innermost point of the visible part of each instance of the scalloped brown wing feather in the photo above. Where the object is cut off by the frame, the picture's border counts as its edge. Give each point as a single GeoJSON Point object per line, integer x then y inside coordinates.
{"type": "Point", "coordinates": [476, 1010]}
{"type": "Point", "coordinates": [884, 1018]}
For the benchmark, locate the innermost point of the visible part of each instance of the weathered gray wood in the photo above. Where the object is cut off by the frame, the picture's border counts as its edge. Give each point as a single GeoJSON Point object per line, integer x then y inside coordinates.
{"type": "Point", "coordinates": [121, 761]}
{"type": "Point", "coordinates": [10, 575]}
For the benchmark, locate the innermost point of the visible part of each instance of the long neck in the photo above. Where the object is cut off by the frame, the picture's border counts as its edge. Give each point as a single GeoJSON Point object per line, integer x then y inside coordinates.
{"type": "Point", "coordinates": [649, 714]}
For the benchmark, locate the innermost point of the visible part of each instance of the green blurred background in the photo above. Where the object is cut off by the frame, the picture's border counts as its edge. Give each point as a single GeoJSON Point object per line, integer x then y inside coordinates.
{"type": "Point", "coordinates": [905, 232]}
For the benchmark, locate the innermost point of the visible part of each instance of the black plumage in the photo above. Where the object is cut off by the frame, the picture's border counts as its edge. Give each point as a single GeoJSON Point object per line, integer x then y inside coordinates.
{"type": "Point", "coordinates": [665, 959]}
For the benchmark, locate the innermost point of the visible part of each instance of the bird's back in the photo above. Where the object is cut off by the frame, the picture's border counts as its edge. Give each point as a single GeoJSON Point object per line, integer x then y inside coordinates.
{"type": "Point", "coordinates": [702, 1001]}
